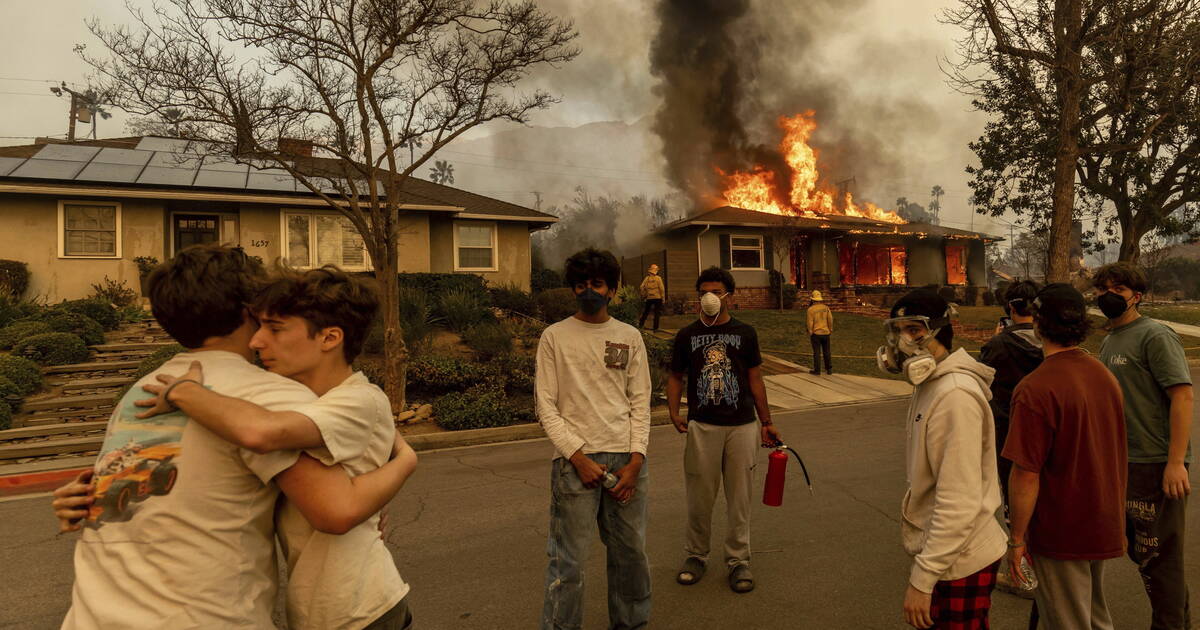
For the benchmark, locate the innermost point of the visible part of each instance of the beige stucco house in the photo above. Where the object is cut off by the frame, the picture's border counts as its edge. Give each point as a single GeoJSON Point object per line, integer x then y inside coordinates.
{"type": "Point", "coordinates": [78, 212]}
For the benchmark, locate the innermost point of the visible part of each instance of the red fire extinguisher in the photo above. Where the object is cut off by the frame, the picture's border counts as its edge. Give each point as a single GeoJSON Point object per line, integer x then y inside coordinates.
{"type": "Point", "coordinates": [777, 474]}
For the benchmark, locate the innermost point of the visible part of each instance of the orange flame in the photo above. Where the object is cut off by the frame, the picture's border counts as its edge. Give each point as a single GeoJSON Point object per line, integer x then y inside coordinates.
{"type": "Point", "coordinates": [755, 190]}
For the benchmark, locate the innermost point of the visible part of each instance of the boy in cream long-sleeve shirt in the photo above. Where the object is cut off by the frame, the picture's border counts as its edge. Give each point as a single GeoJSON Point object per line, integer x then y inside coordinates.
{"type": "Point", "coordinates": [592, 396]}
{"type": "Point", "coordinates": [948, 515]}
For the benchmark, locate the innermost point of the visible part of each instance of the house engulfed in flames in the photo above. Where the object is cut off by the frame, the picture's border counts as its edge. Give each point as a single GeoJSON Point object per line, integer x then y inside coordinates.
{"type": "Point", "coordinates": [848, 258]}
{"type": "Point", "coordinates": [817, 238]}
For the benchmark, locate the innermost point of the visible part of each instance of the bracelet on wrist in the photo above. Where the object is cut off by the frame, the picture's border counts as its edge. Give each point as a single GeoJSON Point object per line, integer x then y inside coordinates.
{"type": "Point", "coordinates": [1015, 545]}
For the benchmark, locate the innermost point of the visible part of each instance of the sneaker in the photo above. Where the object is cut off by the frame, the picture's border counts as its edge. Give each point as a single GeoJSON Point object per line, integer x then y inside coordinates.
{"type": "Point", "coordinates": [1005, 584]}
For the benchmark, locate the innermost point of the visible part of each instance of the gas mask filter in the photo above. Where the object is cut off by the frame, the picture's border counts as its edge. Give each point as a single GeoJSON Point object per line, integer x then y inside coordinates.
{"type": "Point", "coordinates": [907, 354]}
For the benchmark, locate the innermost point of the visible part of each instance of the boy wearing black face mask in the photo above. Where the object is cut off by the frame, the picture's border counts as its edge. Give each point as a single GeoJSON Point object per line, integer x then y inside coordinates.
{"type": "Point", "coordinates": [592, 395]}
{"type": "Point", "coordinates": [1148, 360]}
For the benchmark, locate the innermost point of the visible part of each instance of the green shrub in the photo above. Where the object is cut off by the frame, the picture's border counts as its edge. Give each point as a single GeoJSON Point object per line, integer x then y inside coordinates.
{"type": "Point", "coordinates": [5, 416]}
{"type": "Point", "coordinates": [556, 304]}
{"type": "Point", "coordinates": [10, 393]}
{"type": "Point", "coordinates": [517, 370]}
{"type": "Point", "coordinates": [628, 305]}
{"type": "Point", "coordinates": [77, 324]}
{"type": "Point", "coordinates": [658, 357]}
{"type": "Point", "coordinates": [433, 284]}
{"type": "Point", "coordinates": [14, 278]}
{"type": "Point", "coordinates": [544, 280]}
{"type": "Point", "coordinates": [133, 313]}
{"type": "Point", "coordinates": [438, 374]}
{"type": "Point", "coordinates": [476, 408]}
{"type": "Point", "coordinates": [9, 310]}
{"type": "Point", "coordinates": [511, 298]}
{"type": "Point", "coordinates": [789, 290]}
{"type": "Point", "coordinates": [488, 340]}
{"type": "Point", "coordinates": [372, 369]}
{"type": "Point", "coordinates": [145, 264]}
{"type": "Point", "coordinates": [104, 313]}
{"type": "Point", "coordinates": [113, 292]}
{"type": "Point", "coordinates": [25, 373]}
{"type": "Point", "coordinates": [416, 320]}
{"type": "Point", "coordinates": [17, 331]}
{"type": "Point", "coordinates": [462, 309]}
{"type": "Point", "coordinates": [53, 348]}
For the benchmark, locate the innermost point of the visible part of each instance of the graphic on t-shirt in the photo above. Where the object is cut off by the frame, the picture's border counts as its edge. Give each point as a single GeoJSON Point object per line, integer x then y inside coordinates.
{"type": "Point", "coordinates": [136, 463]}
{"type": "Point", "coordinates": [717, 383]}
{"type": "Point", "coordinates": [616, 355]}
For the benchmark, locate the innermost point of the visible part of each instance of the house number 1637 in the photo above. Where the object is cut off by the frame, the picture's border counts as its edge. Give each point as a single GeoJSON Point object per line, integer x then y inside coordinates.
{"type": "Point", "coordinates": [259, 243]}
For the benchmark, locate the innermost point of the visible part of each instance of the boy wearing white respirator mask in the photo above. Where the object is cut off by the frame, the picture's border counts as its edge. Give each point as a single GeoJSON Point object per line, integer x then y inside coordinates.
{"type": "Point", "coordinates": [948, 513]}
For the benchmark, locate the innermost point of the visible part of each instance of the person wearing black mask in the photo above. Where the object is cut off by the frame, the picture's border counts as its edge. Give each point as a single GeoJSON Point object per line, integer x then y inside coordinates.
{"type": "Point", "coordinates": [1148, 360]}
{"type": "Point", "coordinates": [592, 397]}
{"type": "Point", "coordinates": [1014, 352]}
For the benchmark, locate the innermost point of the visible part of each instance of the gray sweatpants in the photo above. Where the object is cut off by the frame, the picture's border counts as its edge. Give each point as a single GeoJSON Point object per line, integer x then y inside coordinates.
{"type": "Point", "coordinates": [1070, 594]}
{"type": "Point", "coordinates": [717, 455]}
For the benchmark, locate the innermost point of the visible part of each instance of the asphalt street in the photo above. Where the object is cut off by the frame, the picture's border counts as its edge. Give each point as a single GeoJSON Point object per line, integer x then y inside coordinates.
{"type": "Point", "coordinates": [469, 534]}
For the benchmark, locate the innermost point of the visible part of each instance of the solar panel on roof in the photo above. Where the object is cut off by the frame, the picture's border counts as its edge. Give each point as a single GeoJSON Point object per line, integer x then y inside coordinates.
{"type": "Point", "coordinates": [67, 152]}
{"type": "Point", "coordinates": [219, 163]}
{"type": "Point", "coordinates": [109, 155]}
{"type": "Point", "coordinates": [220, 179]}
{"type": "Point", "coordinates": [175, 160]}
{"type": "Point", "coordinates": [7, 164]}
{"type": "Point", "coordinates": [167, 176]}
{"type": "Point", "coordinates": [271, 179]}
{"type": "Point", "coordinates": [48, 169]}
{"type": "Point", "coordinates": [104, 172]}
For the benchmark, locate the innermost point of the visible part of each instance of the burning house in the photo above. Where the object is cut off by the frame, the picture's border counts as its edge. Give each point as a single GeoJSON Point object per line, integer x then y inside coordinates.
{"type": "Point", "coordinates": [786, 219]}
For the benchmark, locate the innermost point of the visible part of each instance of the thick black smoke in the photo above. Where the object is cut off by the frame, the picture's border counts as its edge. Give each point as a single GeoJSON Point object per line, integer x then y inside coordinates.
{"type": "Point", "coordinates": [729, 69]}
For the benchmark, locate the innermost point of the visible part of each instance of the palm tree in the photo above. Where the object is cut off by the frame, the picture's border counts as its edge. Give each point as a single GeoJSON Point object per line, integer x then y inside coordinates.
{"type": "Point", "coordinates": [935, 205]}
{"type": "Point", "coordinates": [442, 172]}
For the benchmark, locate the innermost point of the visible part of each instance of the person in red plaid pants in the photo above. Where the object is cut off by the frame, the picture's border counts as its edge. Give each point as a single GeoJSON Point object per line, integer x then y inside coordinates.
{"type": "Point", "coordinates": [949, 524]}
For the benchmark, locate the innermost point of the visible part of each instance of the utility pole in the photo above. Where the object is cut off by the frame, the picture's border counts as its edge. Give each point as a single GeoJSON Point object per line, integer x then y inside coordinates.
{"type": "Point", "coordinates": [537, 200]}
{"type": "Point", "coordinates": [82, 109]}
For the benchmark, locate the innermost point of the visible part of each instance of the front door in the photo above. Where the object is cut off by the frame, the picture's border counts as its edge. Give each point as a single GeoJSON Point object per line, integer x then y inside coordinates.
{"type": "Point", "coordinates": [195, 229]}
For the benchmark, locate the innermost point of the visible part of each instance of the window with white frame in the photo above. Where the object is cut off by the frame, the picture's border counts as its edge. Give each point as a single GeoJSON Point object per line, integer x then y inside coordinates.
{"type": "Point", "coordinates": [474, 246]}
{"type": "Point", "coordinates": [746, 252]}
{"type": "Point", "coordinates": [314, 239]}
{"type": "Point", "coordinates": [89, 229]}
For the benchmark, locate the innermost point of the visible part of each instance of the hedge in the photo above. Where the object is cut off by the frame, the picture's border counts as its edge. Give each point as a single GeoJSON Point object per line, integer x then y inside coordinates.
{"type": "Point", "coordinates": [14, 278]}
{"type": "Point", "coordinates": [5, 416]}
{"type": "Point", "coordinates": [25, 373]}
{"type": "Point", "coordinates": [556, 304]}
{"type": "Point", "coordinates": [442, 283]}
{"type": "Point", "coordinates": [102, 312]}
{"type": "Point", "coordinates": [512, 298]}
{"type": "Point", "coordinates": [462, 309]}
{"type": "Point", "coordinates": [489, 340]}
{"type": "Point", "coordinates": [77, 324]}
{"type": "Point", "coordinates": [438, 375]}
{"type": "Point", "coordinates": [477, 408]}
{"type": "Point", "coordinates": [544, 280]}
{"type": "Point", "coordinates": [18, 331]}
{"type": "Point", "coordinates": [53, 348]}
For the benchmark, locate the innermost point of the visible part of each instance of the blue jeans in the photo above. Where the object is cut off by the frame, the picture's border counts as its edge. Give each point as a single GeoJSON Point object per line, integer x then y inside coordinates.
{"type": "Point", "coordinates": [575, 512]}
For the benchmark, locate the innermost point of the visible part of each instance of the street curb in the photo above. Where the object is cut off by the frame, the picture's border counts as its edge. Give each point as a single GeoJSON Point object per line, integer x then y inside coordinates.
{"type": "Point", "coordinates": [29, 483]}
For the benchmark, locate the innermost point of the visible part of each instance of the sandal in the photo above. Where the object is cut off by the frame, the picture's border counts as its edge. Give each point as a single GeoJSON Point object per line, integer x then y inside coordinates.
{"type": "Point", "coordinates": [691, 571]}
{"type": "Point", "coordinates": [740, 579]}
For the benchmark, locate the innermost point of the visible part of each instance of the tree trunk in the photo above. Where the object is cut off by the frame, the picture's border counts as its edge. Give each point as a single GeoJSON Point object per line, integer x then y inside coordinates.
{"type": "Point", "coordinates": [1131, 245]}
{"type": "Point", "coordinates": [1068, 17]}
{"type": "Point", "coordinates": [395, 353]}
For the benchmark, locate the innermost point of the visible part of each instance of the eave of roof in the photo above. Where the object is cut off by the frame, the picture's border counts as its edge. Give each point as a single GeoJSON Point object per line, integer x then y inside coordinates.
{"type": "Point", "coordinates": [742, 217]}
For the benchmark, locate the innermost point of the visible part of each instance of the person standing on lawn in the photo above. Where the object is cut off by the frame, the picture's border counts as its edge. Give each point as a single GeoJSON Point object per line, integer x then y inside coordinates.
{"type": "Point", "coordinates": [653, 291]}
{"type": "Point", "coordinates": [592, 397]}
{"type": "Point", "coordinates": [820, 327]}
{"type": "Point", "coordinates": [1067, 446]}
{"type": "Point", "coordinates": [1013, 352]}
{"type": "Point", "coordinates": [949, 524]}
{"type": "Point", "coordinates": [720, 359]}
{"type": "Point", "coordinates": [1148, 360]}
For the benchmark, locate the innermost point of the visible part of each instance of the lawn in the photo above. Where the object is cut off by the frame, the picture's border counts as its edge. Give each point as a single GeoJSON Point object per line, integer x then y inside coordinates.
{"type": "Point", "coordinates": [856, 337]}
{"type": "Point", "coordinates": [1182, 313]}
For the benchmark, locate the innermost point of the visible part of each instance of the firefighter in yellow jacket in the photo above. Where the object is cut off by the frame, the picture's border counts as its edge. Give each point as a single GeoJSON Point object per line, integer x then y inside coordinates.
{"type": "Point", "coordinates": [653, 291]}
{"type": "Point", "coordinates": [820, 327]}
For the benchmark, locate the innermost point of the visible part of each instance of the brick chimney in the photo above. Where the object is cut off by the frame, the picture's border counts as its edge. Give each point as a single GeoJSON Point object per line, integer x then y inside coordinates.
{"type": "Point", "coordinates": [296, 147]}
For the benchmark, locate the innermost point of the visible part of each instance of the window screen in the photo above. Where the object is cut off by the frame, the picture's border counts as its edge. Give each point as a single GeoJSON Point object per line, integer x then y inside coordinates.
{"type": "Point", "coordinates": [475, 246]}
{"type": "Point", "coordinates": [89, 230]}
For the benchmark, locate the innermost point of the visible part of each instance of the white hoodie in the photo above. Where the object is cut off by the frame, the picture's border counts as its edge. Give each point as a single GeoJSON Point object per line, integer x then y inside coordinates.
{"type": "Point", "coordinates": [949, 522]}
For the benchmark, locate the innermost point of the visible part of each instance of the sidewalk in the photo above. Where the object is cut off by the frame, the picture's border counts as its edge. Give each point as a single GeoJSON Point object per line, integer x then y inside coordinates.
{"type": "Point", "coordinates": [801, 390]}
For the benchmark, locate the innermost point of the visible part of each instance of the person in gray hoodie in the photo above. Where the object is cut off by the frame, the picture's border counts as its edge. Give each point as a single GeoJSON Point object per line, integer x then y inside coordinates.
{"type": "Point", "coordinates": [948, 523]}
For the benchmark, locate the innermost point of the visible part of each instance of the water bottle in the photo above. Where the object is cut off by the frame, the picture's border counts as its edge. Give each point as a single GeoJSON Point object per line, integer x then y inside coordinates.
{"type": "Point", "coordinates": [1028, 580]}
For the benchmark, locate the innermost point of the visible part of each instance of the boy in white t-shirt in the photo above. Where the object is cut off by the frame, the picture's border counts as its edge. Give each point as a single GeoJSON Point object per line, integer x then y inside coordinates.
{"type": "Point", "coordinates": [313, 325]}
{"type": "Point", "coordinates": [179, 522]}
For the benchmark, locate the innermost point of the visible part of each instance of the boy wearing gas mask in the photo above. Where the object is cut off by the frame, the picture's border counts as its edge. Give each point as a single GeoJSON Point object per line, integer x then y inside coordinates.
{"type": "Point", "coordinates": [1148, 360]}
{"type": "Point", "coordinates": [949, 525]}
{"type": "Point", "coordinates": [592, 396]}
{"type": "Point", "coordinates": [720, 359]}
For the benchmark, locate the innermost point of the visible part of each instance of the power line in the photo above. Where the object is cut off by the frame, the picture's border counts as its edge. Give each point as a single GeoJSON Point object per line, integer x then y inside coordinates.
{"type": "Point", "coordinates": [26, 94]}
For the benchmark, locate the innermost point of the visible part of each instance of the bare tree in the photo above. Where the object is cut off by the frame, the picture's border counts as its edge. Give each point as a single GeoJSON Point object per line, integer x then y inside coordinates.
{"type": "Point", "coordinates": [1061, 69]}
{"type": "Point", "coordinates": [359, 79]}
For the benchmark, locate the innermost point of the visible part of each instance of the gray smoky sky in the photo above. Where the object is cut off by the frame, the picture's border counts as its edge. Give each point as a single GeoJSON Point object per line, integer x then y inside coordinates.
{"type": "Point", "coordinates": [869, 68]}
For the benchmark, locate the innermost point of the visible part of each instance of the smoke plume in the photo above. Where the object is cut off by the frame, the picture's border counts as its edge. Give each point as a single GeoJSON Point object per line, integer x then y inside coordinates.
{"type": "Point", "coordinates": [729, 69]}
